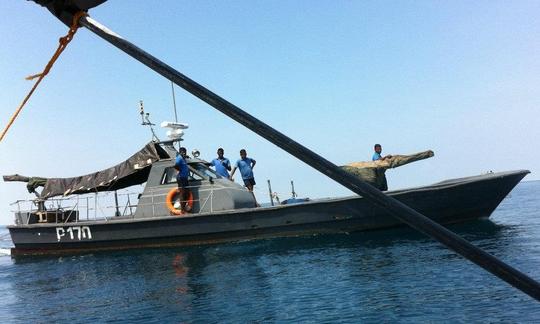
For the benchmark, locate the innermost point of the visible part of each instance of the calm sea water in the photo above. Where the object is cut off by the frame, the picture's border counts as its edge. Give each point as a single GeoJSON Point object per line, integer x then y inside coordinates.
{"type": "Point", "coordinates": [390, 276]}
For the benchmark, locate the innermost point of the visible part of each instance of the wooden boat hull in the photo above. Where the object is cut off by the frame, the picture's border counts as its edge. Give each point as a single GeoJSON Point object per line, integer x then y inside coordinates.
{"type": "Point", "coordinates": [446, 202]}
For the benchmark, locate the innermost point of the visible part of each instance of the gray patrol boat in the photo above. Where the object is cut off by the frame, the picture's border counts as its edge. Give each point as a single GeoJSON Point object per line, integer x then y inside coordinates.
{"type": "Point", "coordinates": [221, 210]}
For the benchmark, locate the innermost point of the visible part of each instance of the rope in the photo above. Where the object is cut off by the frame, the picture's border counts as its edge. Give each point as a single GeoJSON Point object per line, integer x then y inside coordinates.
{"type": "Point", "coordinates": [64, 41]}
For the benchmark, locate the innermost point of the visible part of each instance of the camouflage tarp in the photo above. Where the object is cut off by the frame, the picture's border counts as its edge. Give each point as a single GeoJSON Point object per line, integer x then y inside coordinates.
{"type": "Point", "coordinates": [132, 171]}
{"type": "Point", "coordinates": [373, 172]}
{"type": "Point", "coordinates": [32, 182]}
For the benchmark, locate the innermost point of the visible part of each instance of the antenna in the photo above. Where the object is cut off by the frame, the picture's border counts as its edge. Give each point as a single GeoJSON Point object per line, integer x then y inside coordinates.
{"type": "Point", "coordinates": [145, 120]}
{"type": "Point", "coordinates": [294, 195]}
{"type": "Point", "coordinates": [270, 192]}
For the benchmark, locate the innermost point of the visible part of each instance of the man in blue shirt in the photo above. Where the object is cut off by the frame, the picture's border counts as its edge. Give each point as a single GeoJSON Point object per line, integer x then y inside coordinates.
{"type": "Point", "coordinates": [246, 166]}
{"type": "Point", "coordinates": [221, 164]}
{"type": "Point", "coordinates": [182, 178]}
{"type": "Point", "coordinates": [380, 173]}
{"type": "Point", "coordinates": [377, 155]}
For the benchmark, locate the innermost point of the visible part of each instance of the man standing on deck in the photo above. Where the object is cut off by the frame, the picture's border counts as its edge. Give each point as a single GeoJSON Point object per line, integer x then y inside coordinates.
{"type": "Point", "coordinates": [377, 155]}
{"type": "Point", "coordinates": [182, 178]}
{"type": "Point", "coordinates": [246, 166]}
{"type": "Point", "coordinates": [222, 164]}
{"type": "Point", "coordinates": [380, 174]}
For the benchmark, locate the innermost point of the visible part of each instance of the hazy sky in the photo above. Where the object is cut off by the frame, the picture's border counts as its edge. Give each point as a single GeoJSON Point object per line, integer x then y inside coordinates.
{"type": "Point", "coordinates": [461, 78]}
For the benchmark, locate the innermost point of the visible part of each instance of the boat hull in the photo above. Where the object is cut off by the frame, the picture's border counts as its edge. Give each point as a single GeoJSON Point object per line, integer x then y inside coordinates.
{"type": "Point", "coordinates": [446, 202]}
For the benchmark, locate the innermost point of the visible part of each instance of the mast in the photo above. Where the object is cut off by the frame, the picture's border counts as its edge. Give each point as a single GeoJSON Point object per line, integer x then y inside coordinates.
{"type": "Point", "coordinates": [145, 121]}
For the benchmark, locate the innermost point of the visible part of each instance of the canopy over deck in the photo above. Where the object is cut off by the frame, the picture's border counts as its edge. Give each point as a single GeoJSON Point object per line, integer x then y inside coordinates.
{"type": "Point", "coordinates": [131, 172]}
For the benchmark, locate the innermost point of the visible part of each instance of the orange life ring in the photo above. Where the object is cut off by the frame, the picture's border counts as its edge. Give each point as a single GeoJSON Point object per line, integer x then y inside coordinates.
{"type": "Point", "coordinates": [169, 202]}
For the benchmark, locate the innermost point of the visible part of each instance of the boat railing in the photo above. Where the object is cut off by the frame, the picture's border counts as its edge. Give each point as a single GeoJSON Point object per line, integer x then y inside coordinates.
{"type": "Point", "coordinates": [92, 206]}
{"type": "Point", "coordinates": [154, 193]}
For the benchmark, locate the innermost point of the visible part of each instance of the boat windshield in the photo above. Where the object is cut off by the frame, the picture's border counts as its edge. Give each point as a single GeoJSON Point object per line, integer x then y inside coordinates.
{"type": "Point", "coordinates": [197, 171]}
{"type": "Point", "coordinates": [204, 171]}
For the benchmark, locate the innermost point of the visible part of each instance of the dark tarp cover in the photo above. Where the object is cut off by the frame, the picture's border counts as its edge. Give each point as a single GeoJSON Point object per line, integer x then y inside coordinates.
{"type": "Point", "coordinates": [131, 172]}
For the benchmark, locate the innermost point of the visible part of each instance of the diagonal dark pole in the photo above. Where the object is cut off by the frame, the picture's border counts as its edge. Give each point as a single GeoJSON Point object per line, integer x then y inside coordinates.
{"type": "Point", "coordinates": [393, 206]}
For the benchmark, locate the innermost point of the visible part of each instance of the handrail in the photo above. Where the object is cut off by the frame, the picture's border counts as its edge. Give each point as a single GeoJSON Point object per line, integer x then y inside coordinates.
{"type": "Point", "coordinates": [79, 204]}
